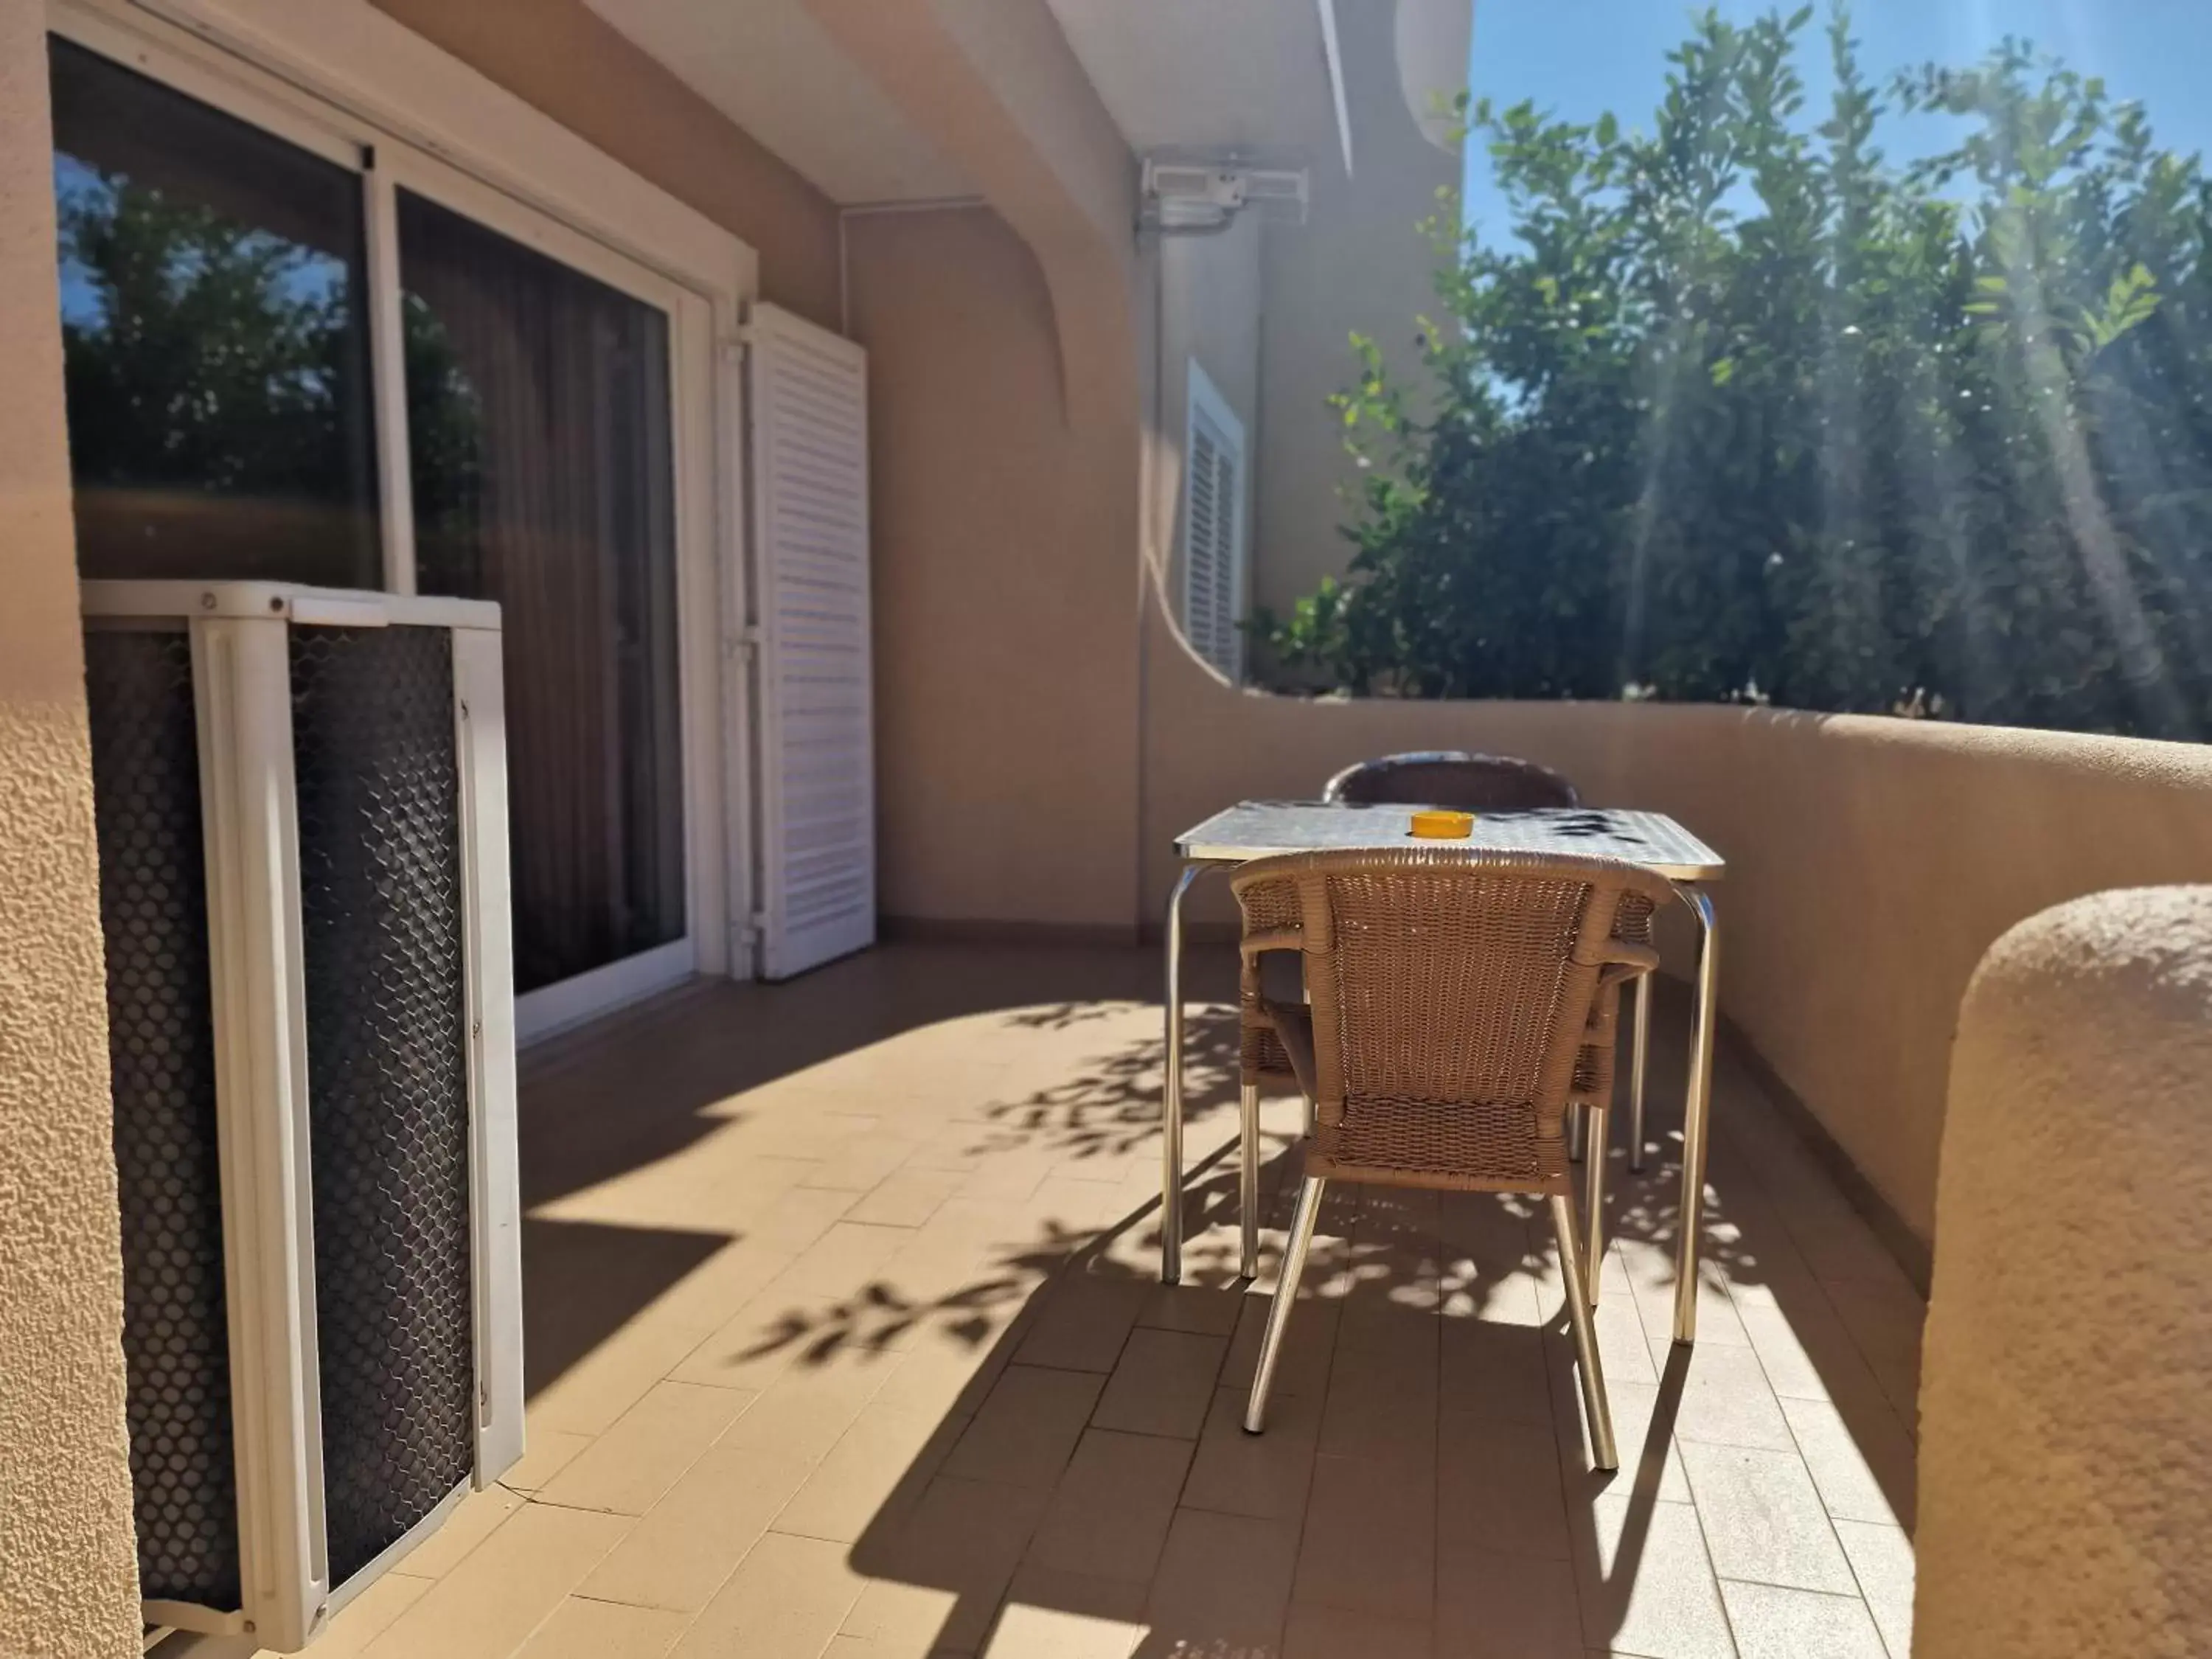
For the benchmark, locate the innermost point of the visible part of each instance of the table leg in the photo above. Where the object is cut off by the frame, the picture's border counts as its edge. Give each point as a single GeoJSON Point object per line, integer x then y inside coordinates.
{"type": "Point", "coordinates": [1171, 1092]}
{"type": "Point", "coordinates": [1639, 1045]}
{"type": "Point", "coordinates": [1696, 1109]}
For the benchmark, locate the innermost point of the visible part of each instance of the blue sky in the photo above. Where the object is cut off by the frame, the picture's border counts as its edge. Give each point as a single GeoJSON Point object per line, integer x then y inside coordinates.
{"type": "Point", "coordinates": [1581, 57]}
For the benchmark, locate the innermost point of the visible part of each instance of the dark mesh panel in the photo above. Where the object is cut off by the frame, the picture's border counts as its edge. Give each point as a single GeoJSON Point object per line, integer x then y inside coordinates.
{"type": "Point", "coordinates": [388, 1059]}
{"type": "Point", "coordinates": [161, 1047]}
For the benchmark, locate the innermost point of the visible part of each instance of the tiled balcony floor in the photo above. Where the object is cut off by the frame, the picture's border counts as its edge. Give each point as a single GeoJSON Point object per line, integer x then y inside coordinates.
{"type": "Point", "coordinates": [845, 1340]}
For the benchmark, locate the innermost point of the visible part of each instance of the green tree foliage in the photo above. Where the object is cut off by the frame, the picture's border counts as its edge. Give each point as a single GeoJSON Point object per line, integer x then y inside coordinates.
{"type": "Point", "coordinates": [1743, 411]}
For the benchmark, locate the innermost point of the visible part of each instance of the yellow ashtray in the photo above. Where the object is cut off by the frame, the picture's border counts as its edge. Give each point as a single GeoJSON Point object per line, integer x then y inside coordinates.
{"type": "Point", "coordinates": [1443, 826]}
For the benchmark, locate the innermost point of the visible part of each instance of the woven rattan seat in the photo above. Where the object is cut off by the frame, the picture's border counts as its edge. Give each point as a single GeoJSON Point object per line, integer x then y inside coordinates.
{"type": "Point", "coordinates": [1452, 996]}
{"type": "Point", "coordinates": [1452, 777]}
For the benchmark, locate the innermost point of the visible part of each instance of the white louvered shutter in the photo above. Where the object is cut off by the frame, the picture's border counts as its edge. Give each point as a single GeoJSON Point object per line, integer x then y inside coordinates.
{"type": "Point", "coordinates": [1213, 498]}
{"type": "Point", "coordinates": [807, 394]}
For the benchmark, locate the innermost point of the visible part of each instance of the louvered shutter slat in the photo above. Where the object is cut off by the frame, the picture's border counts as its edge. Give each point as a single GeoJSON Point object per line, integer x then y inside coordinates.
{"type": "Point", "coordinates": [807, 391]}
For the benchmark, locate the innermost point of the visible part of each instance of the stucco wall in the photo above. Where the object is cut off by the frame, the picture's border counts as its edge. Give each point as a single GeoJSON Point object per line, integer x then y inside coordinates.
{"type": "Point", "coordinates": [1006, 623]}
{"type": "Point", "coordinates": [2065, 1452]}
{"type": "Point", "coordinates": [1359, 263]}
{"type": "Point", "coordinates": [69, 1582]}
{"type": "Point", "coordinates": [575, 67]}
{"type": "Point", "coordinates": [1871, 860]}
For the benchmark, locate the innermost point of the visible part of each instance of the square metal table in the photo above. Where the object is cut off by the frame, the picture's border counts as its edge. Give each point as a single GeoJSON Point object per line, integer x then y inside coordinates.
{"type": "Point", "coordinates": [1257, 829]}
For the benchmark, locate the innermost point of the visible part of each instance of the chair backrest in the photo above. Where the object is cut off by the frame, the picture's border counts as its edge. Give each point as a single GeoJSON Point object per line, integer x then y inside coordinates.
{"type": "Point", "coordinates": [1449, 777]}
{"type": "Point", "coordinates": [1451, 981]}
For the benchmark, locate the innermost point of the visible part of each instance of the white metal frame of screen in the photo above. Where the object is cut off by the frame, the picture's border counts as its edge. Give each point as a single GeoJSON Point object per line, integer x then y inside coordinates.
{"type": "Point", "coordinates": [340, 80]}
{"type": "Point", "coordinates": [1213, 528]}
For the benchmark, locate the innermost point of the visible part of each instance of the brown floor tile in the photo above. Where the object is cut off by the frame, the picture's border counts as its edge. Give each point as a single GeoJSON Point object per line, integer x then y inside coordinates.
{"type": "Point", "coordinates": [1027, 1429]}
{"type": "Point", "coordinates": [1163, 1384]}
{"type": "Point", "coordinates": [789, 1597]}
{"type": "Point", "coordinates": [1308, 1346]}
{"type": "Point", "coordinates": [1774, 1623]}
{"type": "Point", "coordinates": [1224, 1585]}
{"type": "Point", "coordinates": [605, 1630]}
{"type": "Point", "coordinates": [1382, 1404]}
{"type": "Point", "coordinates": [1109, 1516]}
{"type": "Point", "coordinates": [1370, 1536]}
{"type": "Point", "coordinates": [1763, 1519]}
{"type": "Point", "coordinates": [1266, 1474]}
{"type": "Point", "coordinates": [1494, 1370]}
{"type": "Point", "coordinates": [628, 1468]}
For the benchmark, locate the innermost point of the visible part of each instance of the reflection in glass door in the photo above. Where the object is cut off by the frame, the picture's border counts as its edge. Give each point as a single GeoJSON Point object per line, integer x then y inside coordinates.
{"type": "Point", "coordinates": [541, 457]}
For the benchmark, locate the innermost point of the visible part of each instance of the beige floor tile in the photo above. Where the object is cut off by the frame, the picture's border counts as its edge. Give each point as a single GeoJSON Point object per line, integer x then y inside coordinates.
{"type": "Point", "coordinates": [1723, 1398]}
{"type": "Point", "coordinates": [1882, 1560]}
{"type": "Point", "coordinates": [588, 1397]}
{"type": "Point", "coordinates": [1028, 1427]}
{"type": "Point", "coordinates": [1507, 1607]}
{"type": "Point", "coordinates": [1645, 1584]}
{"type": "Point", "coordinates": [679, 1553]}
{"type": "Point", "coordinates": [842, 1264]}
{"type": "Point", "coordinates": [628, 1468]}
{"type": "Point", "coordinates": [864, 1167]}
{"type": "Point", "coordinates": [787, 1598]}
{"type": "Point", "coordinates": [1382, 1403]}
{"type": "Point", "coordinates": [1314, 1632]}
{"type": "Point", "coordinates": [369, 1614]}
{"type": "Point", "coordinates": [1109, 1516]}
{"type": "Point", "coordinates": [1054, 1614]}
{"type": "Point", "coordinates": [1082, 1321]}
{"type": "Point", "coordinates": [894, 1620]}
{"type": "Point", "coordinates": [1495, 1371]}
{"type": "Point", "coordinates": [579, 1629]}
{"type": "Point", "coordinates": [1763, 1518]}
{"type": "Point", "coordinates": [1861, 1460]}
{"type": "Point", "coordinates": [505, 1588]}
{"type": "Point", "coordinates": [806, 1411]}
{"type": "Point", "coordinates": [473, 1520]}
{"type": "Point", "coordinates": [1499, 1489]}
{"type": "Point", "coordinates": [1774, 1623]}
{"type": "Point", "coordinates": [545, 1454]}
{"type": "Point", "coordinates": [966, 1537]}
{"type": "Point", "coordinates": [881, 1465]}
{"type": "Point", "coordinates": [1370, 1536]}
{"type": "Point", "coordinates": [1163, 1384]}
{"type": "Point", "coordinates": [1266, 1474]}
{"type": "Point", "coordinates": [906, 1199]}
{"type": "Point", "coordinates": [1224, 1585]}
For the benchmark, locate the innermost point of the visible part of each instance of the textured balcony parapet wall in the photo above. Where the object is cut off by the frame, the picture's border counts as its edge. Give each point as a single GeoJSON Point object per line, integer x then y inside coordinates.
{"type": "Point", "coordinates": [1872, 861]}
{"type": "Point", "coordinates": [2065, 1449]}
{"type": "Point", "coordinates": [69, 1585]}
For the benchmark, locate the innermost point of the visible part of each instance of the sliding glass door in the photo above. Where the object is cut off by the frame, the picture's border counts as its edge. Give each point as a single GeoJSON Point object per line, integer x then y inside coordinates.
{"type": "Point", "coordinates": [311, 357]}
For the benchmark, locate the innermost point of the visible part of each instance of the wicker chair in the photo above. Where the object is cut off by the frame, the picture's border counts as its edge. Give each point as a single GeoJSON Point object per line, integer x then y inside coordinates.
{"type": "Point", "coordinates": [1448, 777]}
{"type": "Point", "coordinates": [1452, 995]}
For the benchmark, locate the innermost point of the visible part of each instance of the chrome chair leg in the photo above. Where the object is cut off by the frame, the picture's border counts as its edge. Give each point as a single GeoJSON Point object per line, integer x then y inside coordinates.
{"type": "Point", "coordinates": [1287, 1292]}
{"type": "Point", "coordinates": [1248, 1184]}
{"type": "Point", "coordinates": [1574, 1132]}
{"type": "Point", "coordinates": [1599, 1119]}
{"type": "Point", "coordinates": [1595, 1411]}
{"type": "Point", "coordinates": [1638, 1048]}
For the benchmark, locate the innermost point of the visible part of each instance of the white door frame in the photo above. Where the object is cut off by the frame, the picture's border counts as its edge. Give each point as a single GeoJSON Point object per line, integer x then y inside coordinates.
{"type": "Point", "coordinates": [345, 82]}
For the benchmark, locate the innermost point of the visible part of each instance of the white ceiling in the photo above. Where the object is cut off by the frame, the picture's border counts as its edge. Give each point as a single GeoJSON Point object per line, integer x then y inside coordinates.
{"type": "Point", "coordinates": [1248, 74]}
{"type": "Point", "coordinates": [769, 67]}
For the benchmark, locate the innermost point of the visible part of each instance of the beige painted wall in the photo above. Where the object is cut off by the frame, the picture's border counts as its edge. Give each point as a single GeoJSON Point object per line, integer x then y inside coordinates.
{"type": "Point", "coordinates": [1872, 860]}
{"type": "Point", "coordinates": [572, 64]}
{"type": "Point", "coordinates": [2065, 1453]}
{"type": "Point", "coordinates": [1006, 621]}
{"type": "Point", "coordinates": [69, 1578]}
{"type": "Point", "coordinates": [1359, 263]}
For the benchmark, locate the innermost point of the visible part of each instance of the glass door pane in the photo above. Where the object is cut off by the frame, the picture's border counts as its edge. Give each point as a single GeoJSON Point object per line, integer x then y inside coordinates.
{"type": "Point", "coordinates": [539, 435]}
{"type": "Point", "coordinates": [215, 328]}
